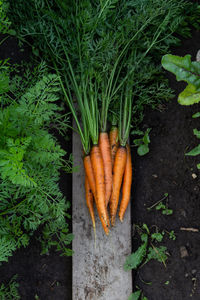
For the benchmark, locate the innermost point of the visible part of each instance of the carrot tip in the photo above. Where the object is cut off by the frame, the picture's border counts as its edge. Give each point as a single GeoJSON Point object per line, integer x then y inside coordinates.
{"type": "Point", "coordinates": [113, 221]}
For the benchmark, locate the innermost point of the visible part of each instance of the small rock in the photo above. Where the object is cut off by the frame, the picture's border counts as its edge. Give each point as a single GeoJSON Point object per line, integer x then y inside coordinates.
{"type": "Point", "coordinates": [186, 275]}
{"type": "Point", "coordinates": [194, 175]}
{"type": "Point", "coordinates": [198, 55]}
{"type": "Point", "coordinates": [194, 272]}
{"type": "Point", "coordinates": [184, 252]}
{"type": "Point", "coordinates": [155, 176]}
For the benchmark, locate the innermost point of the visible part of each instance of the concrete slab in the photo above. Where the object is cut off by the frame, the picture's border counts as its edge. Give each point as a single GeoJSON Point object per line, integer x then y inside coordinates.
{"type": "Point", "coordinates": [97, 271]}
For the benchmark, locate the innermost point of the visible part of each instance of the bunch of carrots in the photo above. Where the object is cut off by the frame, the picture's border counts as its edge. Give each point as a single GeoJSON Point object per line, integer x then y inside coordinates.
{"type": "Point", "coordinates": [91, 92]}
{"type": "Point", "coordinates": [107, 157]}
{"type": "Point", "coordinates": [107, 165]}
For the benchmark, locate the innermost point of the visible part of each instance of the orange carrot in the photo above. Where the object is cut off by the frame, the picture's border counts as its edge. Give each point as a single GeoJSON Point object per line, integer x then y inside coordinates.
{"type": "Point", "coordinates": [126, 189]}
{"type": "Point", "coordinates": [97, 164]}
{"type": "Point", "coordinates": [104, 146]}
{"type": "Point", "coordinates": [114, 142]}
{"type": "Point", "coordinates": [118, 172]}
{"type": "Point", "coordinates": [89, 201]}
{"type": "Point", "coordinates": [90, 173]}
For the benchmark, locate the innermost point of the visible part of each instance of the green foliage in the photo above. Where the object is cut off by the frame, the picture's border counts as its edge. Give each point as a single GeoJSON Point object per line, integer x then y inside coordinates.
{"type": "Point", "coordinates": [164, 209]}
{"type": "Point", "coordinates": [7, 246]}
{"type": "Point", "coordinates": [172, 235]}
{"type": "Point", "coordinates": [142, 143]}
{"type": "Point", "coordinates": [136, 258]}
{"type": "Point", "coordinates": [137, 295]}
{"type": "Point", "coordinates": [194, 152]}
{"type": "Point", "coordinates": [185, 70]}
{"type": "Point", "coordinates": [100, 30]}
{"type": "Point", "coordinates": [4, 21]}
{"type": "Point", "coordinates": [30, 160]}
{"type": "Point", "coordinates": [10, 291]}
{"type": "Point", "coordinates": [157, 253]}
{"type": "Point", "coordinates": [196, 115]}
{"type": "Point", "coordinates": [157, 236]}
{"type": "Point", "coordinates": [147, 251]}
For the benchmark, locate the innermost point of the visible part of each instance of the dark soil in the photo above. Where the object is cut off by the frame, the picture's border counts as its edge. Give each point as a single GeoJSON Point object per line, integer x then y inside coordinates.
{"type": "Point", "coordinates": [166, 169]}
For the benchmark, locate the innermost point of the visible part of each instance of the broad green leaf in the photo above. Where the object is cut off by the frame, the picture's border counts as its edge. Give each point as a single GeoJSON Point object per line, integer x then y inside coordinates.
{"type": "Point", "coordinates": [135, 259]}
{"type": "Point", "coordinates": [194, 152]}
{"type": "Point", "coordinates": [142, 150]}
{"type": "Point", "coordinates": [189, 96]}
{"type": "Point", "coordinates": [198, 166]}
{"type": "Point", "coordinates": [183, 68]}
{"type": "Point", "coordinates": [197, 133]}
{"type": "Point", "coordinates": [197, 115]}
{"type": "Point", "coordinates": [135, 296]}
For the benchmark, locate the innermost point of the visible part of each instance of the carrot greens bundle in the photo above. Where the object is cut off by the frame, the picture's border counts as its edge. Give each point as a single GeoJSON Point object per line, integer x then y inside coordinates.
{"type": "Point", "coordinates": [103, 52]}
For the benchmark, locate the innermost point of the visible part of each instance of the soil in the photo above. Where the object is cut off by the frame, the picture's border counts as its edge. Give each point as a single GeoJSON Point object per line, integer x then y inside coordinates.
{"type": "Point", "coordinates": [165, 169]}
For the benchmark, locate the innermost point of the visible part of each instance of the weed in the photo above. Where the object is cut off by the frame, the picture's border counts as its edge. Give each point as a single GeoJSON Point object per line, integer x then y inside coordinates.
{"type": "Point", "coordinates": [142, 143]}
{"type": "Point", "coordinates": [163, 207]}
{"type": "Point", "coordinates": [147, 251]}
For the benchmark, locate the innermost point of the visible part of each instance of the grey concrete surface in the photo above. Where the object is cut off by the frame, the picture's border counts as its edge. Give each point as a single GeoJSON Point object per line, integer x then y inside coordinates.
{"type": "Point", "coordinates": [97, 271]}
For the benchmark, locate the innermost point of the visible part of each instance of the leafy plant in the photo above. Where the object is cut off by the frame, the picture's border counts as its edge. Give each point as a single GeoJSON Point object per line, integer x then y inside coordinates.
{"type": "Point", "coordinates": [185, 70]}
{"type": "Point", "coordinates": [164, 209]}
{"type": "Point", "coordinates": [142, 143]}
{"type": "Point", "coordinates": [30, 162]}
{"type": "Point", "coordinates": [136, 258]}
{"type": "Point", "coordinates": [172, 235]}
{"type": "Point", "coordinates": [147, 251]}
{"type": "Point", "coordinates": [10, 291]}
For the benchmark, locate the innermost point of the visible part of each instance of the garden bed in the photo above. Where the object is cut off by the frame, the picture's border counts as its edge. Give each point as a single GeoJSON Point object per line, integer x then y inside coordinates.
{"type": "Point", "coordinates": [166, 169]}
{"type": "Point", "coordinates": [164, 173]}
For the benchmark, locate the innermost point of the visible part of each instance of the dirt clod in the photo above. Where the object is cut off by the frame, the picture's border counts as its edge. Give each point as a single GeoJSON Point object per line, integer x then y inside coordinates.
{"type": "Point", "coordinates": [184, 252]}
